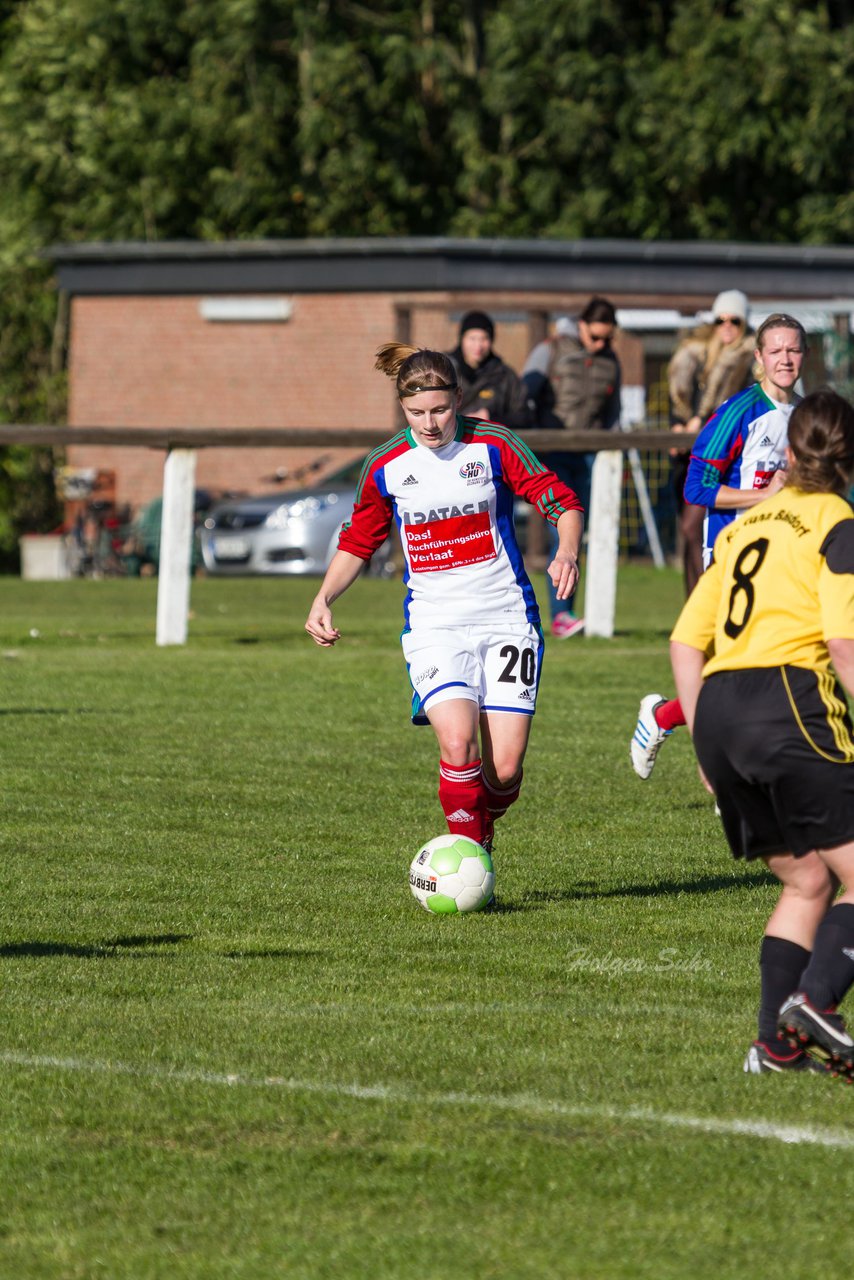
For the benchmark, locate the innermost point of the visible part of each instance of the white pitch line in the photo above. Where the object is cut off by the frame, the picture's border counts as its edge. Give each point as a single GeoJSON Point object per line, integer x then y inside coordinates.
{"type": "Point", "coordinates": [521, 1103]}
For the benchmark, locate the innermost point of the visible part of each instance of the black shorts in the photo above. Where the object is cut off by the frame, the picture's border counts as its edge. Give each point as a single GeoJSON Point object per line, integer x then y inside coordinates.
{"type": "Point", "coordinates": [777, 746]}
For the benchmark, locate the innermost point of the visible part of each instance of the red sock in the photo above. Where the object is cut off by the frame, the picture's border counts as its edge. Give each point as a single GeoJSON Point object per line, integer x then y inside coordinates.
{"type": "Point", "coordinates": [499, 799]}
{"type": "Point", "coordinates": [462, 795]}
{"type": "Point", "coordinates": [670, 714]}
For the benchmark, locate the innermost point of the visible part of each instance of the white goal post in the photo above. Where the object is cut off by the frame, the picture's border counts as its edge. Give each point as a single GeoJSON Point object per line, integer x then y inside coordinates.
{"type": "Point", "coordinates": [603, 545]}
{"type": "Point", "coordinates": [176, 546]}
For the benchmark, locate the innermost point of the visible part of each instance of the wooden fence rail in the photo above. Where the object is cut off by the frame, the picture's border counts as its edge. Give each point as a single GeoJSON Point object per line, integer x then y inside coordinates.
{"type": "Point", "coordinates": [292, 437]}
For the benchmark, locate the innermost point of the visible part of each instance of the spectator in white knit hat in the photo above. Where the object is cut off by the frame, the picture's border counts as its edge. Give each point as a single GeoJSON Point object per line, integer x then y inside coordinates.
{"type": "Point", "coordinates": [710, 364]}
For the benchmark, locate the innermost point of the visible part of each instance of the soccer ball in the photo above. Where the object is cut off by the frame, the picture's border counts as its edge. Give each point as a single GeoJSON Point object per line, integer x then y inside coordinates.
{"type": "Point", "coordinates": [452, 874]}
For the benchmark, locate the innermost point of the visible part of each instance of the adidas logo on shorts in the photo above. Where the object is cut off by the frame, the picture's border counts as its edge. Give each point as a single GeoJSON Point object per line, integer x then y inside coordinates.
{"type": "Point", "coordinates": [410, 479]}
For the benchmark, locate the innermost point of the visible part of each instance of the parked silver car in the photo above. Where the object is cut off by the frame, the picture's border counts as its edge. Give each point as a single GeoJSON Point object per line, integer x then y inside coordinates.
{"type": "Point", "coordinates": [285, 533]}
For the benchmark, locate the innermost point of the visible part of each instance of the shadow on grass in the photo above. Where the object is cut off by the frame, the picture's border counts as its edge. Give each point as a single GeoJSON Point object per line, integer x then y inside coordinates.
{"type": "Point", "coordinates": [504, 908]}
{"type": "Point", "coordinates": [648, 633]}
{"type": "Point", "coordinates": [658, 889]}
{"type": "Point", "coordinates": [49, 711]}
{"type": "Point", "coordinates": [148, 940]}
{"type": "Point", "coordinates": [286, 953]}
{"type": "Point", "coordinates": [138, 944]}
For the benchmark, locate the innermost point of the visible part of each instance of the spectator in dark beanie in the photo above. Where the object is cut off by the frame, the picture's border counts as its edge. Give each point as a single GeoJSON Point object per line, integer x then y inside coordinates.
{"type": "Point", "coordinates": [491, 390]}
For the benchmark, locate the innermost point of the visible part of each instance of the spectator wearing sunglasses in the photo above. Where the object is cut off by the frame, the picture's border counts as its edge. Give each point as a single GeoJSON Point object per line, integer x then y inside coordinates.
{"type": "Point", "coordinates": [709, 366]}
{"type": "Point", "coordinates": [573, 382]}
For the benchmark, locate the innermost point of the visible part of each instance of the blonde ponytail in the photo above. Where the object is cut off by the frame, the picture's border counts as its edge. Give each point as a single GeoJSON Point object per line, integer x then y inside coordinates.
{"type": "Point", "coordinates": [391, 355]}
{"type": "Point", "coordinates": [416, 369]}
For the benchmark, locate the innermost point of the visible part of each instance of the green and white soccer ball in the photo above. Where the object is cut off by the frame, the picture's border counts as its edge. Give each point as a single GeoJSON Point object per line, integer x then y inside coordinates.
{"type": "Point", "coordinates": [452, 874]}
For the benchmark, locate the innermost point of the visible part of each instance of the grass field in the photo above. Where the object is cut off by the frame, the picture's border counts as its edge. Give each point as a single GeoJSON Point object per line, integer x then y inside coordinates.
{"type": "Point", "coordinates": [231, 1044]}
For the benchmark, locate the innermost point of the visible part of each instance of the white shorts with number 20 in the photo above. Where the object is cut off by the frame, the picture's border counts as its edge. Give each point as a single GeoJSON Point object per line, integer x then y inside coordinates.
{"type": "Point", "coordinates": [496, 666]}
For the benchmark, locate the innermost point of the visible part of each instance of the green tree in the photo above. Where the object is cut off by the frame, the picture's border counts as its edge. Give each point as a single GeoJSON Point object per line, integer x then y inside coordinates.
{"type": "Point", "coordinates": [749, 123]}
{"type": "Point", "coordinates": [123, 121]}
{"type": "Point", "coordinates": [691, 120]}
{"type": "Point", "coordinates": [212, 119]}
{"type": "Point", "coordinates": [539, 140]}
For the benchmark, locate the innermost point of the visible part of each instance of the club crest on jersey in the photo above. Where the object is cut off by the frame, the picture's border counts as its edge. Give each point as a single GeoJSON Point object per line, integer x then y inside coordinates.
{"type": "Point", "coordinates": [473, 472]}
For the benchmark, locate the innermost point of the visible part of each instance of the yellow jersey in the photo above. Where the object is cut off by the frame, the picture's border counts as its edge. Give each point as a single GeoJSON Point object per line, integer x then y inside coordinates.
{"type": "Point", "coordinates": [780, 586]}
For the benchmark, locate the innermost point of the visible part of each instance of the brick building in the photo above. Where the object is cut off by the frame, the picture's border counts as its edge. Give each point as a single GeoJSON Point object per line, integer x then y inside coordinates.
{"type": "Point", "coordinates": [282, 333]}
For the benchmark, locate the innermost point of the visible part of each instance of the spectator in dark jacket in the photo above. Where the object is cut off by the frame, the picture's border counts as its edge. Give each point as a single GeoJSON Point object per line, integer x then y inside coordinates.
{"type": "Point", "coordinates": [491, 390]}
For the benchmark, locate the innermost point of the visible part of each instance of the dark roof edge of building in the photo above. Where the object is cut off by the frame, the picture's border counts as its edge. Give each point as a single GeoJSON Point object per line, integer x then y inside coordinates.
{"type": "Point", "coordinates": [724, 253]}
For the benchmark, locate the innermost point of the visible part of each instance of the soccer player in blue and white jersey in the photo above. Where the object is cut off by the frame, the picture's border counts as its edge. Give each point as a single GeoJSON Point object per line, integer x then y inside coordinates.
{"type": "Point", "coordinates": [736, 456]}
{"type": "Point", "coordinates": [738, 459]}
{"type": "Point", "coordinates": [472, 638]}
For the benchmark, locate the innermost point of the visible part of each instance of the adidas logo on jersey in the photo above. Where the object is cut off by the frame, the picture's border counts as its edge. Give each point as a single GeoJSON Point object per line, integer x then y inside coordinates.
{"type": "Point", "coordinates": [462, 815]}
{"type": "Point", "coordinates": [766, 443]}
{"type": "Point", "coordinates": [410, 479]}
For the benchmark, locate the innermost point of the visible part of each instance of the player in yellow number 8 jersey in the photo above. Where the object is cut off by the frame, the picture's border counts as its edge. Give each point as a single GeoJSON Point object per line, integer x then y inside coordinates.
{"type": "Point", "coordinates": [752, 654]}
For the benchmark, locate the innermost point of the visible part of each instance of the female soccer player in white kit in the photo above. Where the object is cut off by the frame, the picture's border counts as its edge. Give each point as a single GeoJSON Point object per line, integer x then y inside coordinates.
{"type": "Point", "coordinates": [472, 639]}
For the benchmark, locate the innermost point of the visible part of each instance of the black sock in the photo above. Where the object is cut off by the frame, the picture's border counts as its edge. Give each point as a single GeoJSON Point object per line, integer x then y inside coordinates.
{"type": "Point", "coordinates": [781, 964]}
{"type": "Point", "coordinates": [830, 972]}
